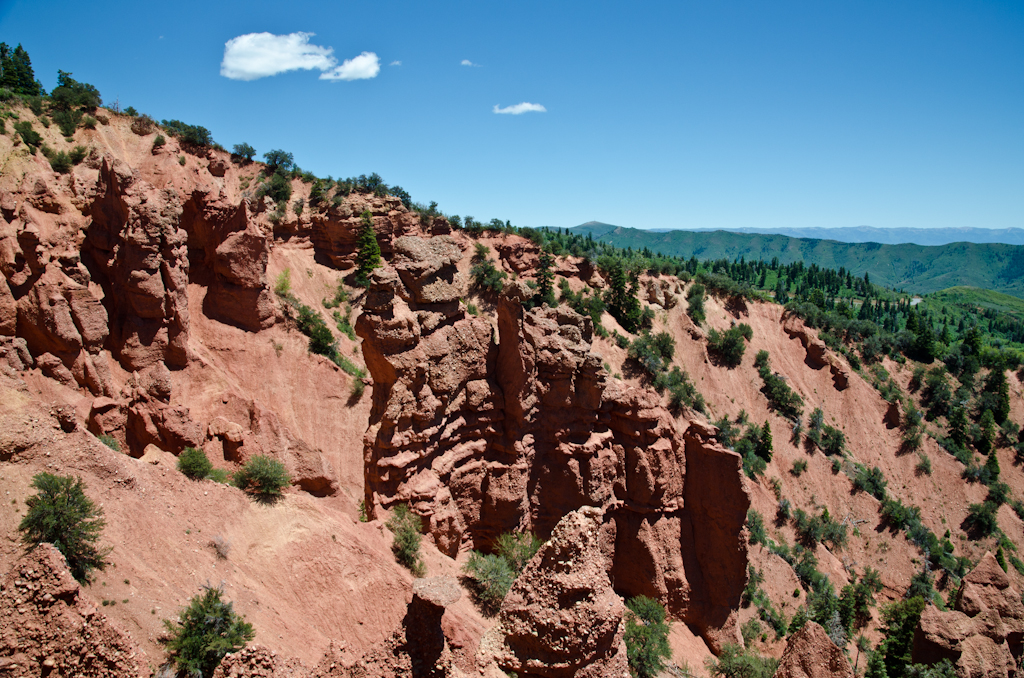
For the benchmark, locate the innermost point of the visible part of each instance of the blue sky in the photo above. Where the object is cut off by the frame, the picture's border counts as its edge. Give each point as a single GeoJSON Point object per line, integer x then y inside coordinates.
{"type": "Point", "coordinates": [656, 115]}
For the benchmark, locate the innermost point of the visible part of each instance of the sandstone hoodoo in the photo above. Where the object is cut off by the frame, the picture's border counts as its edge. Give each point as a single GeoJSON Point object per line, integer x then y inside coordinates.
{"type": "Point", "coordinates": [484, 432]}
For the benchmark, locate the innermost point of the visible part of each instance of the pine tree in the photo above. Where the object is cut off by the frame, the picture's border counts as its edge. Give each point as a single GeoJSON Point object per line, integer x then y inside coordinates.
{"type": "Point", "coordinates": [958, 426]}
{"type": "Point", "coordinates": [988, 432]}
{"type": "Point", "coordinates": [367, 252]}
{"type": "Point", "coordinates": [764, 445]}
{"type": "Point", "coordinates": [18, 75]}
{"type": "Point", "coordinates": [545, 280]}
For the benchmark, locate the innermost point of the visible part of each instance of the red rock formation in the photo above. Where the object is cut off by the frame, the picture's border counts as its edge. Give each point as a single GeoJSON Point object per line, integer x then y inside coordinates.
{"type": "Point", "coordinates": [818, 355]}
{"type": "Point", "coordinates": [810, 653]}
{"type": "Point", "coordinates": [482, 436]}
{"type": "Point", "coordinates": [335, 231]}
{"type": "Point", "coordinates": [984, 634]}
{"type": "Point", "coordinates": [561, 619]}
{"type": "Point", "coordinates": [48, 626]}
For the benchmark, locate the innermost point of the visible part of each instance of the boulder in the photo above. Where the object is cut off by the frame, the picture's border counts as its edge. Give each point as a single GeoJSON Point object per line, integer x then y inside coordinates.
{"type": "Point", "coordinates": [8, 309]}
{"type": "Point", "coordinates": [561, 618]}
{"type": "Point", "coordinates": [984, 631]}
{"type": "Point", "coordinates": [810, 653]}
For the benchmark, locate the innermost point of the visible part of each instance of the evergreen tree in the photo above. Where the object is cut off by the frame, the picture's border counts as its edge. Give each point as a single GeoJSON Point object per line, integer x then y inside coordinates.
{"type": "Point", "coordinates": [545, 280]}
{"type": "Point", "coordinates": [996, 383]}
{"type": "Point", "coordinates": [764, 445]}
{"type": "Point", "coordinates": [367, 252]}
{"type": "Point", "coordinates": [18, 75]}
{"type": "Point", "coordinates": [988, 432]}
{"type": "Point", "coordinates": [958, 426]}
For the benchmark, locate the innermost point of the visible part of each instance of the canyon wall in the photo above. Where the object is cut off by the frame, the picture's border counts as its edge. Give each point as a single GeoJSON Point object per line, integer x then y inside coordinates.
{"type": "Point", "coordinates": [484, 429]}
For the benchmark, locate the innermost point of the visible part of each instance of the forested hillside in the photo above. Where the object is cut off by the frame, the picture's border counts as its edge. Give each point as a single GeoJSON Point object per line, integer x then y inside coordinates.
{"type": "Point", "coordinates": [914, 268]}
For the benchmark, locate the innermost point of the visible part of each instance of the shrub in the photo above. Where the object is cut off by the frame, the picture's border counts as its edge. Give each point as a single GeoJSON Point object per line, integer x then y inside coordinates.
{"type": "Point", "coordinates": [143, 125]}
{"type": "Point", "coordinates": [780, 396]}
{"type": "Point", "coordinates": [406, 526]}
{"type": "Point", "coordinates": [60, 162]}
{"type": "Point", "coordinates": [193, 137]}
{"type": "Point", "coordinates": [982, 518]}
{"type": "Point", "coordinates": [871, 481]}
{"type": "Point", "coordinates": [263, 477]}
{"type": "Point", "coordinates": [492, 579]}
{"type": "Point", "coordinates": [646, 636]}
{"type": "Point", "coordinates": [652, 351]}
{"type": "Point", "coordinates": [799, 466]}
{"type": "Point", "coordinates": [493, 574]}
{"type": "Point", "coordinates": [77, 154]}
{"type": "Point", "coordinates": [833, 441]}
{"type": "Point", "coordinates": [89, 122]}
{"type": "Point", "coordinates": [486, 276]}
{"type": "Point", "coordinates": [728, 347]}
{"type": "Point", "coordinates": [681, 391]}
{"type": "Point", "coordinates": [194, 463]}
{"type": "Point", "coordinates": [756, 528]}
{"type": "Point", "coordinates": [61, 514]}
{"type": "Point", "coordinates": [695, 302]}
{"type": "Point", "coordinates": [204, 632]}
{"type": "Point", "coordinates": [737, 662]}
{"type": "Point", "coordinates": [28, 135]}
{"type": "Point", "coordinates": [110, 441]}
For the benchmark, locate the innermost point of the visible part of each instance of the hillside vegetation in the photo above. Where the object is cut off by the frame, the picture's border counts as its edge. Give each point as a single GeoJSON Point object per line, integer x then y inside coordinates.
{"type": "Point", "coordinates": [915, 268]}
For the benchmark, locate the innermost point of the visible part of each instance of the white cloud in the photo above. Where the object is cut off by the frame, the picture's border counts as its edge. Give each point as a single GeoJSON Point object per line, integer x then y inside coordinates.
{"type": "Point", "coordinates": [362, 67]}
{"type": "Point", "coordinates": [467, 62]}
{"type": "Point", "coordinates": [395, 63]}
{"type": "Point", "coordinates": [258, 55]}
{"type": "Point", "coordinates": [519, 109]}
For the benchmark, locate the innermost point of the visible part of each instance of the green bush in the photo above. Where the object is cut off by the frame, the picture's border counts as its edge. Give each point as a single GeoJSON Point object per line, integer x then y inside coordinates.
{"type": "Point", "coordinates": [204, 632]}
{"type": "Point", "coordinates": [194, 463]}
{"type": "Point", "coordinates": [681, 391]}
{"type": "Point", "coordinates": [756, 528]}
{"type": "Point", "coordinates": [728, 347]}
{"type": "Point", "coordinates": [60, 514]}
{"type": "Point", "coordinates": [262, 477]}
{"type": "Point", "coordinates": [652, 351]}
{"type": "Point", "coordinates": [737, 662]}
{"type": "Point", "coordinates": [982, 518]}
{"type": "Point", "coordinates": [60, 162]}
{"type": "Point", "coordinates": [646, 636]}
{"type": "Point", "coordinates": [159, 141]}
{"type": "Point", "coordinates": [780, 396]}
{"type": "Point", "coordinates": [871, 481]}
{"type": "Point", "coordinates": [486, 276]}
{"type": "Point", "coordinates": [406, 526]}
{"type": "Point", "coordinates": [494, 573]}
{"type": "Point", "coordinates": [67, 121]}
{"type": "Point", "coordinates": [28, 135]}
{"type": "Point", "coordinates": [278, 188]}
{"type": "Point", "coordinates": [799, 466]}
{"type": "Point", "coordinates": [193, 137]}
{"type": "Point", "coordinates": [695, 303]}
{"type": "Point", "coordinates": [110, 441]}
{"type": "Point", "coordinates": [77, 154]}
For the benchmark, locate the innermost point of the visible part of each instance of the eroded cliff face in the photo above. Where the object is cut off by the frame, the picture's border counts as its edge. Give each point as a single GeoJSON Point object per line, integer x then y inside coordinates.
{"type": "Point", "coordinates": [486, 429]}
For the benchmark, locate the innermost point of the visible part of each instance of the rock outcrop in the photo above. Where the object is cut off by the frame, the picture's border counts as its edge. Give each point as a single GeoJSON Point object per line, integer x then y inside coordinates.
{"type": "Point", "coordinates": [561, 619]}
{"type": "Point", "coordinates": [984, 634]}
{"type": "Point", "coordinates": [810, 653]}
{"type": "Point", "coordinates": [482, 435]}
{"type": "Point", "coordinates": [49, 627]}
{"type": "Point", "coordinates": [335, 232]}
{"type": "Point", "coordinates": [818, 355]}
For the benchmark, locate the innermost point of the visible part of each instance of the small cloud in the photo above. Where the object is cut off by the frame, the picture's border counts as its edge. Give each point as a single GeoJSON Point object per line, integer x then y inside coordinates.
{"type": "Point", "coordinates": [362, 67]}
{"type": "Point", "coordinates": [395, 63]}
{"type": "Point", "coordinates": [467, 62]}
{"type": "Point", "coordinates": [258, 55]}
{"type": "Point", "coordinates": [519, 109]}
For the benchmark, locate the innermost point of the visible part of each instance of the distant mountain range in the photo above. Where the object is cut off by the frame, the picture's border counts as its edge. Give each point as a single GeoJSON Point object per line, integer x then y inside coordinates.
{"type": "Point", "coordinates": [916, 268]}
{"type": "Point", "coordinates": [885, 236]}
